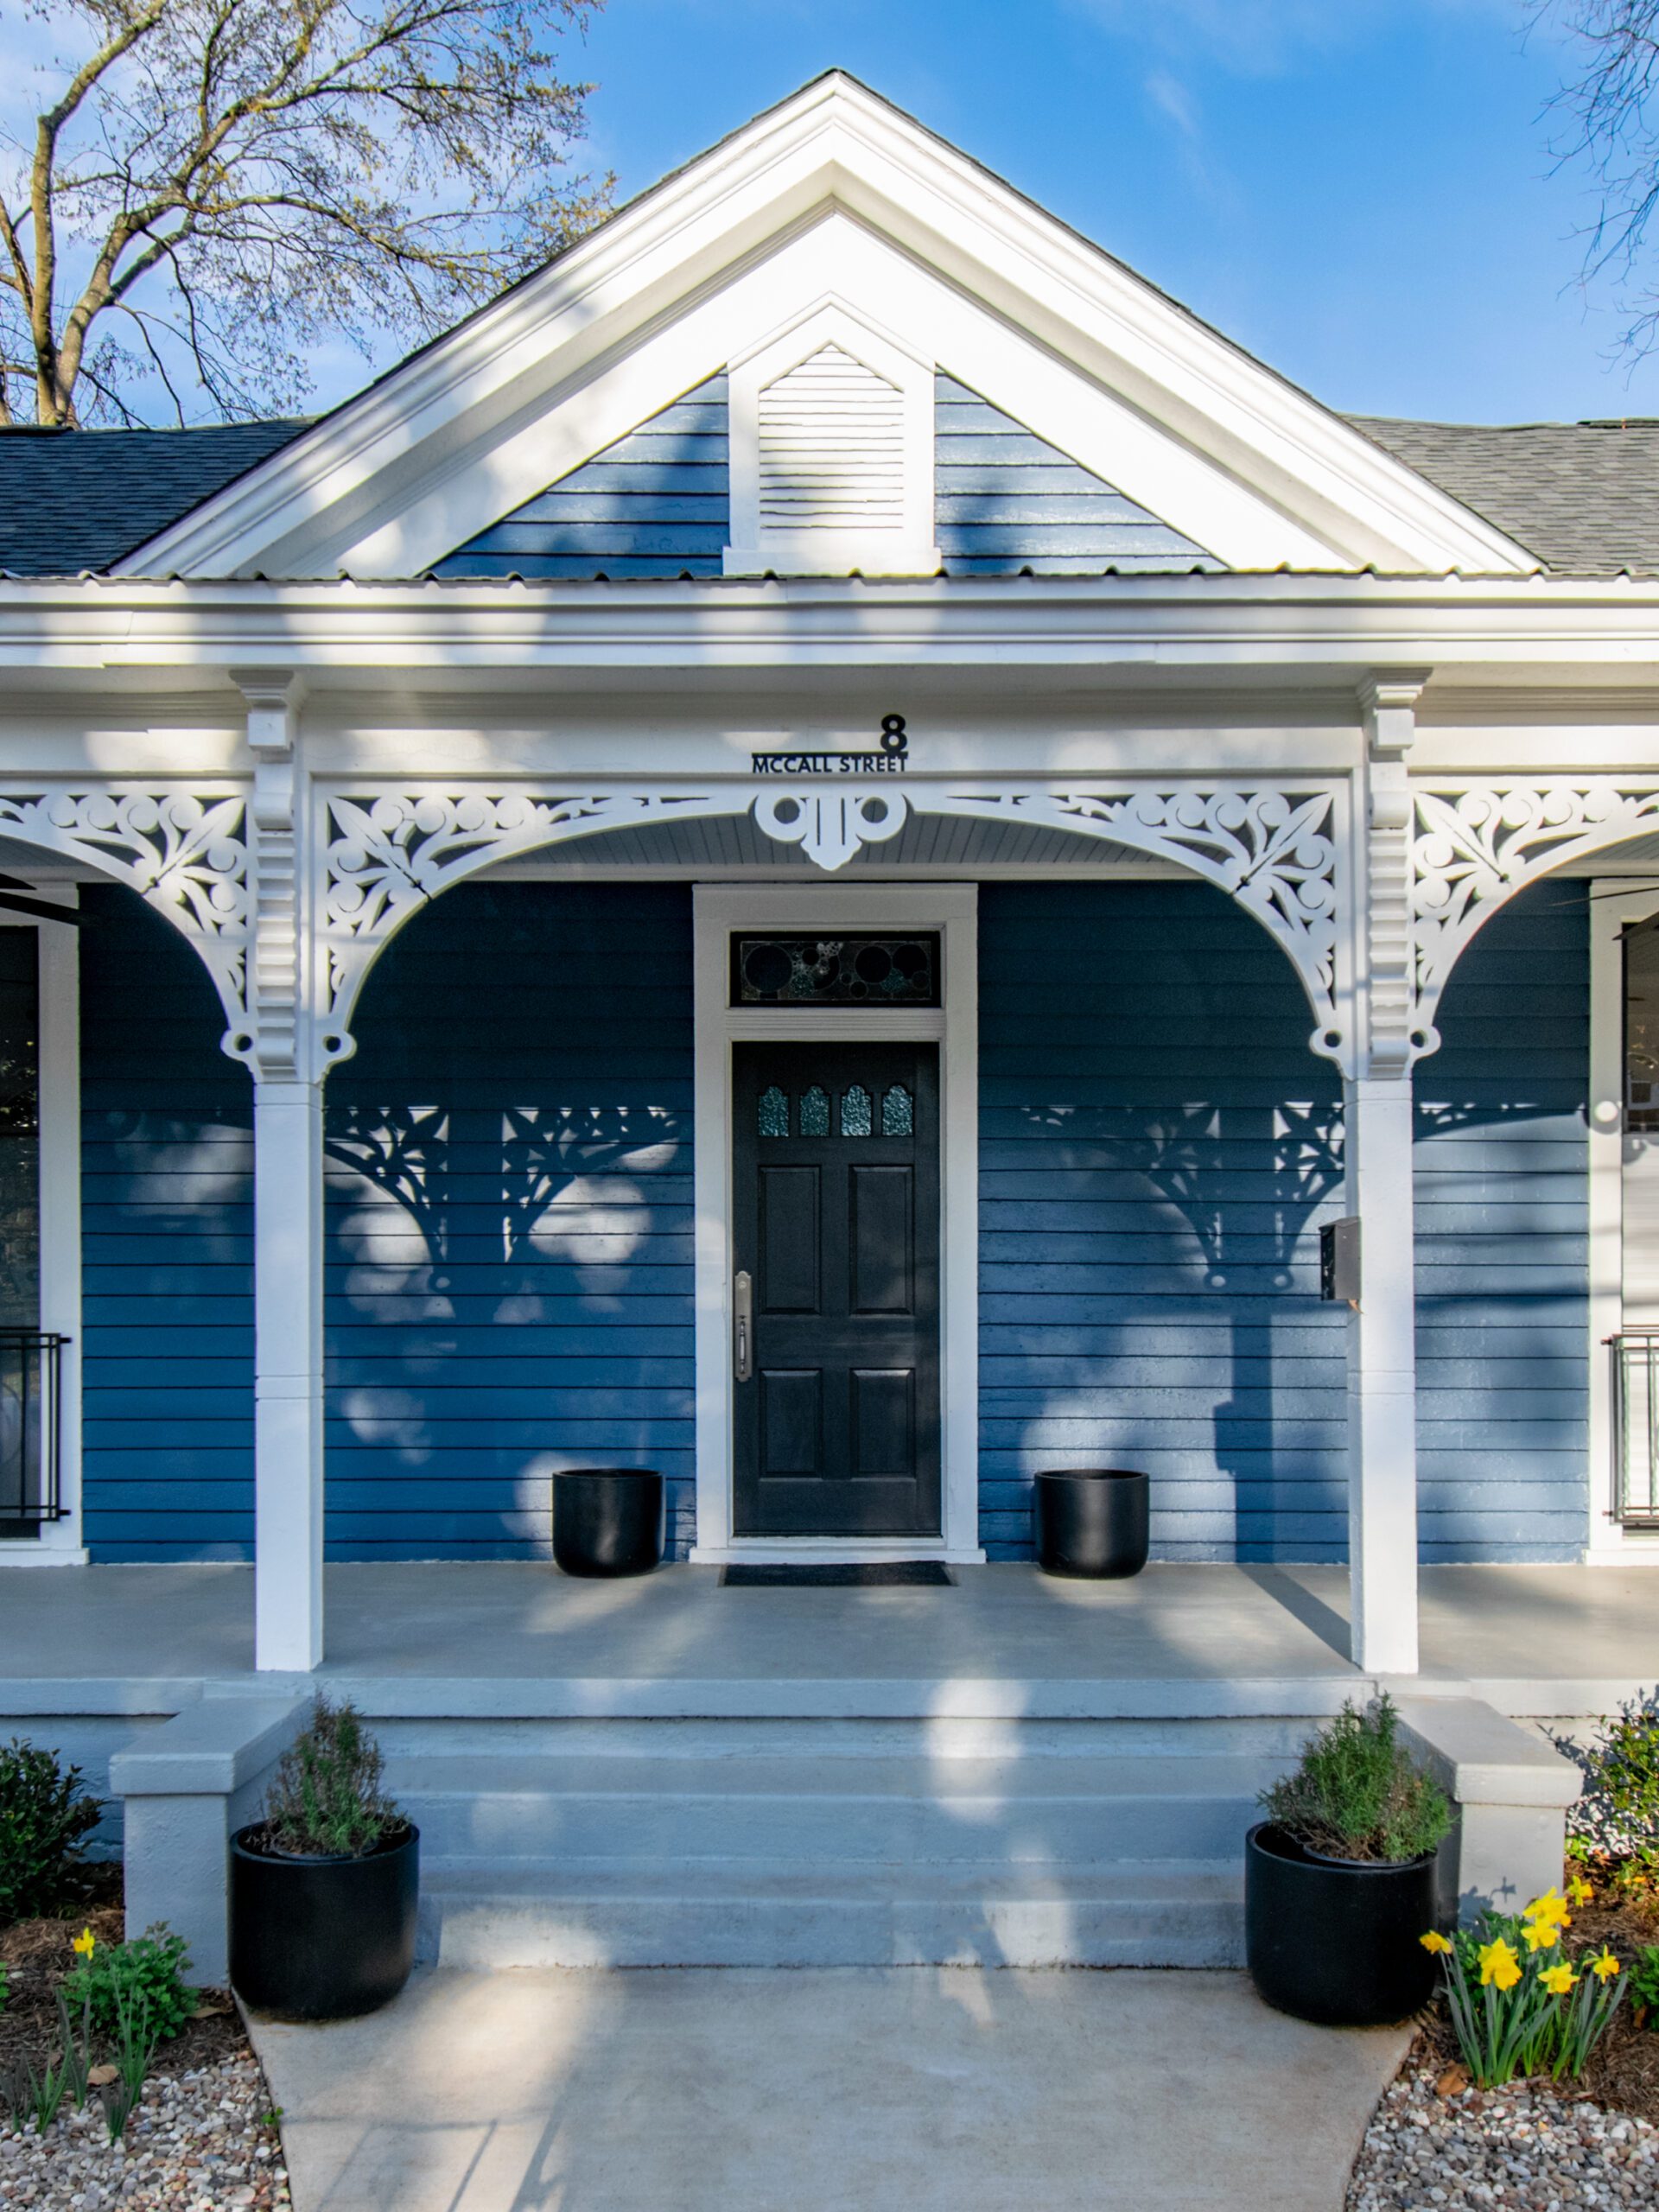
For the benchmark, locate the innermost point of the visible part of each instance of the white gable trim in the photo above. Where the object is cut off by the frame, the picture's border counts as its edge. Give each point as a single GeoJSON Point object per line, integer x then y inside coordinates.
{"type": "Point", "coordinates": [350, 486]}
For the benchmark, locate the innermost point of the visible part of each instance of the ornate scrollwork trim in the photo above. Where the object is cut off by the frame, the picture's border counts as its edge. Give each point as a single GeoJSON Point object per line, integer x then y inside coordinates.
{"type": "Point", "coordinates": [1473, 846]}
{"type": "Point", "coordinates": [183, 848]}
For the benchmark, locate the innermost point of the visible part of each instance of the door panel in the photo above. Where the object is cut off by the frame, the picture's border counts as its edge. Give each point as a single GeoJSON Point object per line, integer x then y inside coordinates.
{"type": "Point", "coordinates": [883, 1257]}
{"type": "Point", "coordinates": [836, 1199]}
{"type": "Point", "coordinates": [789, 1240]}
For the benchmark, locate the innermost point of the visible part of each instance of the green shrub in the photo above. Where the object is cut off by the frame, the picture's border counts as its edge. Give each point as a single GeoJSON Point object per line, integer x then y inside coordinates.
{"type": "Point", "coordinates": [127, 1982]}
{"type": "Point", "coordinates": [1356, 1794]}
{"type": "Point", "coordinates": [44, 1813]}
{"type": "Point", "coordinates": [1644, 1985]}
{"type": "Point", "coordinates": [326, 1801]}
{"type": "Point", "coordinates": [1618, 1812]}
{"type": "Point", "coordinates": [5, 1985]}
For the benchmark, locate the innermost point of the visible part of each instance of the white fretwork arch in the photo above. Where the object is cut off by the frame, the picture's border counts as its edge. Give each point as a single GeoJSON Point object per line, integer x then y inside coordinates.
{"type": "Point", "coordinates": [1475, 846]}
{"type": "Point", "coordinates": [182, 847]}
{"type": "Point", "coordinates": [1274, 848]}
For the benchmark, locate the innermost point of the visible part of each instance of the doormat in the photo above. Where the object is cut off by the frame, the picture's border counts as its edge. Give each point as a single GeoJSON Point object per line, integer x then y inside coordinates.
{"type": "Point", "coordinates": [850, 1575]}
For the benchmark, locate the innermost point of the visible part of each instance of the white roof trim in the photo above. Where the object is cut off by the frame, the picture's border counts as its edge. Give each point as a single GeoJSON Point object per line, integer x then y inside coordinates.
{"type": "Point", "coordinates": [557, 364]}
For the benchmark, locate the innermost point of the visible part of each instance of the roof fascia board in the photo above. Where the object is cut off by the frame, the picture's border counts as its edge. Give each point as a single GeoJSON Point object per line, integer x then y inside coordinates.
{"type": "Point", "coordinates": [836, 141]}
{"type": "Point", "coordinates": [1499, 628]}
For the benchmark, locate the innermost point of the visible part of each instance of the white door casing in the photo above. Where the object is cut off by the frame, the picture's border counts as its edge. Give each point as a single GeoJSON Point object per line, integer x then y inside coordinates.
{"type": "Point", "coordinates": [952, 909]}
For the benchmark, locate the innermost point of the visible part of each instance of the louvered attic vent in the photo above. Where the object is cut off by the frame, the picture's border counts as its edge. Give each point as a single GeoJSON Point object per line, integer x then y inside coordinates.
{"type": "Point", "coordinates": [832, 455]}
{"type": "Point", "coordinates": [832, 448]}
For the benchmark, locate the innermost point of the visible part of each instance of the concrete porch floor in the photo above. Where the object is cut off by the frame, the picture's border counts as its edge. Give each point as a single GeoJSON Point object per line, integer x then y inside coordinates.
{"type": "Point", "coordinates": [1529, 1639]}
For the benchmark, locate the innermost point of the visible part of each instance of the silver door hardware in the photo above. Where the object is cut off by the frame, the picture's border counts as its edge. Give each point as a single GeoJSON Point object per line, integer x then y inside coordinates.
{"type": "Point", "coordinates": [743, 1324]}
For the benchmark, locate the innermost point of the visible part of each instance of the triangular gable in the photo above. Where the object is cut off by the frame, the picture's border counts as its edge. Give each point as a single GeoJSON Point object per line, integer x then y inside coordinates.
{"type": "Point", "coordinates": [657, 503]}
{"type": "Point", "coordinates": [833, 213]}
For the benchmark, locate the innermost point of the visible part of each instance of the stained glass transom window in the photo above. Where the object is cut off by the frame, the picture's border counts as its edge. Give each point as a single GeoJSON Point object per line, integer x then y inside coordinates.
{"type": "Point", "coordinates": [774, 1112]}
{"type": "Point", "coordinates": [855, 1112]}
{"type": "Point", "coordinates": [814, 1112]}
{"type": "Point", "coordinates": [863, 970]}
{"type": "Point", "coordinates": [897, 1113]}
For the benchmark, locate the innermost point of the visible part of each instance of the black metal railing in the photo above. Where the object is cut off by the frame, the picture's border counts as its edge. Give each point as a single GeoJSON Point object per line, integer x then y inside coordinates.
{"type": "Point", "coordinates": [31, 1459]}
{"type": "Point", "coordinates": [1636, 1426]}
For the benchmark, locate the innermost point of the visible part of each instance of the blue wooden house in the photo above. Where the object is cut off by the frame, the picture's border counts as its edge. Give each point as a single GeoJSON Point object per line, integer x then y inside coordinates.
{"type": "Point", "coordinates": [835, 663]}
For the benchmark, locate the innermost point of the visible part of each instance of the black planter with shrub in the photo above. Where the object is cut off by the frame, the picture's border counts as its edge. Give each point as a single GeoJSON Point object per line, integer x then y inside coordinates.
{"type": "Point", "coordinates": [608, 1521]}
{"type": "Point", "coordinates": [1091, 1524]}
{"type": "Point", "coordinates": [1339, 1885]}
{"type": "Point", "coordinates": [325, 1889]}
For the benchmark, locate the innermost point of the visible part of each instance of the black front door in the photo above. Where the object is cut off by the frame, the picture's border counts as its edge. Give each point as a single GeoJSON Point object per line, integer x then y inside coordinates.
{"type": "Point", "coordinates": [835, 1219]}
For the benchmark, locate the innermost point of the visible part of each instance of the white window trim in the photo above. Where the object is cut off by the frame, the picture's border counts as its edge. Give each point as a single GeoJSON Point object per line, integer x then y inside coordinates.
{"type": "Point", "coordinates": [953, 910]}
{"type": "Point", "coordinates": [912, 550]}
{"type": "Point", "coordinates": [59, 1543]}
{"type": "Point", "coordinates": [1608, 1543]}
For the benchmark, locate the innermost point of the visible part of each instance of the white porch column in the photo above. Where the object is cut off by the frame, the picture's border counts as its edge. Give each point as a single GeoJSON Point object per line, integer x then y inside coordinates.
{"type": "Point", "coordinates": [287, 1199]}
{"type": "Point", "coordinates": [1377, 1098]}
{"type": "Point", "coordinates": [1383, 1379]}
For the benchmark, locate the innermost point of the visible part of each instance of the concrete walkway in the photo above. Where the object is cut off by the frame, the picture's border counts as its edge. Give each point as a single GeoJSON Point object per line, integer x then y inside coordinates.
{"type": "Point", "coordinates": [915, 2090]}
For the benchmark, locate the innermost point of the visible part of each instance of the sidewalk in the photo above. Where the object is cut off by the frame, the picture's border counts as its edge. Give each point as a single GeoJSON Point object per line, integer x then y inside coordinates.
{"type": "Point", "coordinates": [916, 2090]}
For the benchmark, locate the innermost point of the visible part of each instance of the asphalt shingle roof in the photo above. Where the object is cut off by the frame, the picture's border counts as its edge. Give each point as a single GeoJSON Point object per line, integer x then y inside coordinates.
{"type": "Point", "coordinates": [1583, 496]}
{"type": "Point", "coordinates": [71, 500]}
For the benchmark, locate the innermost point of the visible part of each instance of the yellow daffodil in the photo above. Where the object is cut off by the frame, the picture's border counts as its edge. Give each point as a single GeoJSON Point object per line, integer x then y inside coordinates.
{"type": "Point", "coordinates": [1558, 1979]}
{"type": "Point", "coordinates": [1499, 1964]}
{"type": "Point", "coordinates": [1605, 1967]}
{"type": "Point", "coordinates": [1434, 1941]}
{"type": "Point", "coordinates": [86, 1944]}
{"type": "Point", "coordinates": [1579, 1891]}
{"type": "Point", "coordinates": [1549, 1910]}
{"type": "Point", "coordinates": [1541, 1934]}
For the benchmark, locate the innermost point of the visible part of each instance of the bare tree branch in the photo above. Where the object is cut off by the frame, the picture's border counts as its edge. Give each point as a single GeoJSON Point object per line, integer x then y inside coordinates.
{"type": "Point", "coordinates": [264, 173]}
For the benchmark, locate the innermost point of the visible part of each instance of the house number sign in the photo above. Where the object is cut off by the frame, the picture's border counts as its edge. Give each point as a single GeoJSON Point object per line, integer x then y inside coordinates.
{"type": "Point", "coordinates": [892, 759]}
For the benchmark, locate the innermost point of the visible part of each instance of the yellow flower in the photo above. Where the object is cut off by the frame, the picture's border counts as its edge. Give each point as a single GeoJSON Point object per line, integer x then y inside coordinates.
{"type": "Point", "coordinates": [86, 1944]}
{"type": "Point", "coordinates": [1542, 1935]}
{"type": "Point", "coordinates": [1558, 1979]}
{"type": "Point", "coordinates": [1434, 1941]}
{"type": "Point", "coordinates": [1549, 1911]}
{"type": "Point", "coordinates": [1579, 1891]}
{"type": "Point", "coordinates": [1605, 1967]}
{"type": "Point", "coordinates": [1498, 1963]}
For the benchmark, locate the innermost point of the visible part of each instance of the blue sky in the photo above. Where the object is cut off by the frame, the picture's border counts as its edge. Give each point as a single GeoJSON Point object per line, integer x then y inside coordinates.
{"type": "Point", "coordinates": [1361, 192]}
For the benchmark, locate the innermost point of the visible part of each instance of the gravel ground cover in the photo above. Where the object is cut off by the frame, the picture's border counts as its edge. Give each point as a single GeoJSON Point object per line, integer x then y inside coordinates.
{"type": "Point", "coordinates": [203, 2137]}
{"type": "Point", "coordinates": [1530, 2147]}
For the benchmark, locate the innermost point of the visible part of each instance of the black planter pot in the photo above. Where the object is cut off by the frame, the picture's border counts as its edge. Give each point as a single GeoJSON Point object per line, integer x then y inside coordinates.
{"type": "Point", "coordinates": [1336, 1940]}
{"type": "Point", "coordinates": [322, 1939]}
{"type": "Point", "coordinates": [608, 1521]}
{"type": "Point", "coordinates": [1090, 1521]}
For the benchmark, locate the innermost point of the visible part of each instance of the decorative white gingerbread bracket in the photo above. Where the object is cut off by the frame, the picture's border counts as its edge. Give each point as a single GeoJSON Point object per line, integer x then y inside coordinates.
{"type": "Point", "coordinates": [182, 847]}
{"type": "Point", "coordinates": [1474, 846]}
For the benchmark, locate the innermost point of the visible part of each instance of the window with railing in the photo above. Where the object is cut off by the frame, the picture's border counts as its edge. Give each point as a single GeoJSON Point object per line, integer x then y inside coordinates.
{"type": "Point", "coordinates": [31, 1473]}
{"type": "Point", "coordinates": [1636, 1427]}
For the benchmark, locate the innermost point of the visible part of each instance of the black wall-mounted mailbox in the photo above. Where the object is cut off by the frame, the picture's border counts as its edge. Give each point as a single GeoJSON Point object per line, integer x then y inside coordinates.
{"type": "Point", "coordinates": [1339, 1260]}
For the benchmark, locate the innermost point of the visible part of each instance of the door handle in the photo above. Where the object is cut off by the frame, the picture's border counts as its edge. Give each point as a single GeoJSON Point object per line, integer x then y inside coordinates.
{"type": "Point", "coordinates": [742, 1324]}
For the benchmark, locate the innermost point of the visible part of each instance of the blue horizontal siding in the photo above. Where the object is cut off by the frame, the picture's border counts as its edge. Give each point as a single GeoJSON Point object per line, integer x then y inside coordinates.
{"type": "Point", "coordinates": [167, 1322]}
{"type": "Point", "coordinates": [655, 504]}
{"type": "Point", "coordinates": [1149, 1249]}
{"type": "Point", "coordinates": [1148, 1263]}
{"type": "Point", "coordinates": [1006, 499]}
{"type": "Point", "coordinates": [510, 1223]}
{"type": "Point", "coordinates": [1503, 1240]}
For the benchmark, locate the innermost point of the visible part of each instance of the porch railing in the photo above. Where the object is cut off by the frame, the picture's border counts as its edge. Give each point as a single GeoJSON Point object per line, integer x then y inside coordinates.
{"type": "Point", "coordinates": [31, 1471]}
{"type": "Point", "coordinates": [1636, 1426]}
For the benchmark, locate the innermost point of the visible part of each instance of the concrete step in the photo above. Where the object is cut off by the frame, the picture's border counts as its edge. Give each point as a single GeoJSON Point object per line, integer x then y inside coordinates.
{"type": "Point", "coordinates": [850, 1913]}
{"type": "Point", "coordinates": [1141, 1807]}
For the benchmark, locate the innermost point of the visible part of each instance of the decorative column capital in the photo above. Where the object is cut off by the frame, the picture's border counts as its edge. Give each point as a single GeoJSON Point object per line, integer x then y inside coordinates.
{"type": "Point", "coordinates": [273, 696]}
{"type": "Point", "coordinates": [1388, 702]}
